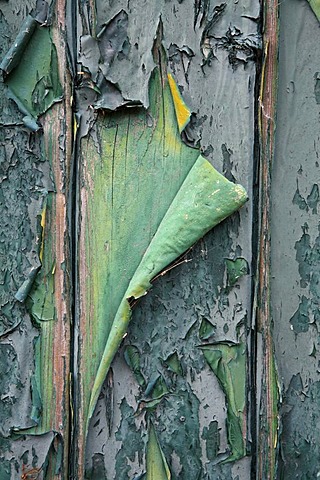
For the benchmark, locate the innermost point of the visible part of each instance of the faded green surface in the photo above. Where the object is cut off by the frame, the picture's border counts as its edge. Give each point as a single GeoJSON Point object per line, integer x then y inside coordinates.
{"type": "Point", "coordinates": [168, 368]}
{"type": "Point", "coordinates": [295, 241]}
{"type": "Point", "coordinates": [176, 203]}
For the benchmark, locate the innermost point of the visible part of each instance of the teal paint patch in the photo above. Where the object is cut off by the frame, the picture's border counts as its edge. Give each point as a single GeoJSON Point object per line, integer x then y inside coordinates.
{"type": "Point", "coordinates": [211, 436]}
{"type": "Point", "coordinates": [307, 256]}
{"type": "Point", "coordinates": [5, 470]}
{"type": "Point", "coordinates": [179, 432]}
{"type": "Point", "coordinates": [300, 320]}
{"type": "Point", "coordinates": [5, 464]}
{"type": "Point", "coordinates": [132, 442]}
{"type": "Point", "coordinates": [9, 377]}
{"type": "Point", "coordinates": [98, 469]}
{"type": "Point", "coordinates": [310, 202]}
{"type": "Point", "coordinates": [299, 459]}
{"type": "Point", "coordinates": [299, 200]}
{"type": "Point", "coordinates": [236, 269]}
{"type": "Point", "coordinates": [313, 198]}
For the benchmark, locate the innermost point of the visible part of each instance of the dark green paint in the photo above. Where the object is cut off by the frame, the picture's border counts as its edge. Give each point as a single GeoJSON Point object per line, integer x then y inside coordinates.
{"type": "Point", "coordinates": [236, 269]}
{"type": "Point", "coordinates": [228, 362]}
{"type": "Point", "coordinates": [97, 471]}
{"type": "Point", "coordinates": [206, 330]}
{"type": "Point", "coordinates": [132, 442]}
{"type": "Point", "coordinates": [173, 363]}
{"type": "Point", "coordinates": [300, 454]}
{"type": "Point", "coordinates": [132, 357]}
{"type": "Point", "coordinates": [9, 375]}
{"type": "Point", "coordinates": [212, 438]}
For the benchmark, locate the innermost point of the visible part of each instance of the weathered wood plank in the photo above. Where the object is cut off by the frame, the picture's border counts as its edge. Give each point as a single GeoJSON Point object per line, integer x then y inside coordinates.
{"type": "Point", "coordinates": [35, 188]}
{"type": "Point", "coordinates": [295, 240]}
{"type": "Point", "coordinates": [211, 53]}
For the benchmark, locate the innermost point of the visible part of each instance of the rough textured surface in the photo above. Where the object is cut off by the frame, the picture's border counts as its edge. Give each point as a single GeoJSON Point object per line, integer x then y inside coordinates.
{"type": "Point", "coordinates": [295, 241]}
{"type": "Point", "coordinates": [208, 296]}
{"type": "Point", "coordinates": [34, 348]}
{"type": "Point", "coordinates": [166, 402]}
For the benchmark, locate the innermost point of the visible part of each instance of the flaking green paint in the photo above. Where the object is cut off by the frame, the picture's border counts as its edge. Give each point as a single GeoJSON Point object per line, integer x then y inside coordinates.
{"type": "Point", "coordinates": [132, 357]}
{"type": "Point", "coordinates": [315, 5]}
{"type": "Point", "coordinates": [236, 269]}
{"type": "Point", "coordinates": [33, 79]}
{"type": "Point", "coordinates": [211, 436]}
{"type": "Point", "coordinates": [157, 467]}
{"type": "Point", "coordinates": [178, 197]}
{"type": "Point", "coordinates": [228, 362]}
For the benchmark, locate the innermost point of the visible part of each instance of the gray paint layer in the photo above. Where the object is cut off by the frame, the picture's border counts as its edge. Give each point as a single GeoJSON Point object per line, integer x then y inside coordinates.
{"type": "Point", "coordinates": [295, 240]}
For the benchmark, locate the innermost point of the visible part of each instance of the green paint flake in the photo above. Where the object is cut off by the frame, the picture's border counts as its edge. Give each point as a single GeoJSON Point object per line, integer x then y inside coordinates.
{"type": "Point", "coordinates": [34, 81]}
{"type": "Point", "coordinates": [211, 435]}
{"type": "Point", "coordinates": [236, 269]}
{"type": "Point", "coordinates": [40, 300]}
{"type": "Point", "coordinates": [173, 364]}
{"type": "Point", "coordinates": [42, 296]}
{"type": "Point", "coordinates": [206, 330]}
{"type": "Point", "coordinates": [132, 358]}
{"type": "Point", "coordinates": [178, 197]}
{"type": "Point", "coordinates": [228, 362]}
{"type": "Point", "coordinates": [160, 388]}
{"type": "Point", "coordinates": [157, 467]}
{"type": "Point", "coordinates": [315, 5]}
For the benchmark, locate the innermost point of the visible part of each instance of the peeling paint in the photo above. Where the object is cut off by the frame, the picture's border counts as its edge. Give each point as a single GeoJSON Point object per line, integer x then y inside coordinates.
{"type": "Point", "coordinates": [295, 230]}
{"type": "Point", "coordinates": [171, 390]}
{"type": "Point", "coordinates": [172, 233]}
{"type": "Point", "coordinates": [228, 362]}
{"type": "Point", "coordinates": [31, 72]}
